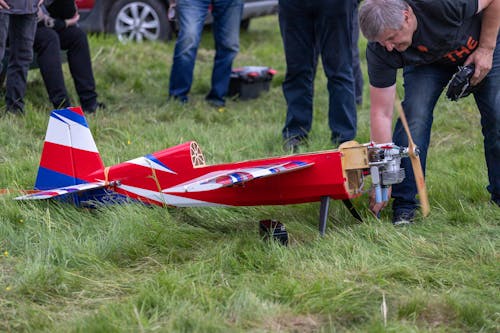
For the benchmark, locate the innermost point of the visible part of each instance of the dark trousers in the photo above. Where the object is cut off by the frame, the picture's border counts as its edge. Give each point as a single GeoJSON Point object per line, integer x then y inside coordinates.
{"type": "Point", "coordinates": [309, 29]}
{"type": "Point", "coordinates": [356, 64]}
{"type": "Point", "coordinates": [21, 32]}
{"type": "Point", "coordinates": [48, 44]}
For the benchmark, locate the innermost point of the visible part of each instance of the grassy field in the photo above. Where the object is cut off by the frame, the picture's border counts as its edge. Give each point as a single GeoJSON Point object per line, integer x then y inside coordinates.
{"type": "Point", "coordinates": [132, 268]}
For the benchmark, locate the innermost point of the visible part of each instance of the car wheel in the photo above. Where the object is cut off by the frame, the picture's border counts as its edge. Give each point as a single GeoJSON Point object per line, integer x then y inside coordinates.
{"type": "Point", "coordinates": [139, 20]}
{"type": "Point", "coordinates": [245, 24]}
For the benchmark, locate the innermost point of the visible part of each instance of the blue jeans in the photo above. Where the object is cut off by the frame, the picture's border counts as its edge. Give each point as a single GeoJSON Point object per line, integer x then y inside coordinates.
{"type": "Point", "coordinates": [21, 32]}
{"type": "Point", "coordinates": [226, 26]}
{"type": "Point", "coordinates": [309, 29]}
{"type": "Point", "coordinates": [4, 30]}
{"type": "Point", "coordinates": [356, 64]}
{"type": "Point", "coordinates": [423, 86]}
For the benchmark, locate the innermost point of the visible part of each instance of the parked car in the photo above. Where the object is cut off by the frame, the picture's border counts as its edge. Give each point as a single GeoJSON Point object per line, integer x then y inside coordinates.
{"type": "Point", "coordinates": [140, 20]}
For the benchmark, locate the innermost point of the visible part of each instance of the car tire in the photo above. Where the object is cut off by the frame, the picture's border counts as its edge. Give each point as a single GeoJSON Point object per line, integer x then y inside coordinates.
{"type": "Point", "coordinates": [139, 20]}
{"type": "Point", "coordinates": [245, 24]}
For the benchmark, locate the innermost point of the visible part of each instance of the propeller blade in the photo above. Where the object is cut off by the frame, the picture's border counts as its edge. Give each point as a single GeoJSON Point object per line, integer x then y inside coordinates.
{"type": "Point", "coordinates": [415, 162]}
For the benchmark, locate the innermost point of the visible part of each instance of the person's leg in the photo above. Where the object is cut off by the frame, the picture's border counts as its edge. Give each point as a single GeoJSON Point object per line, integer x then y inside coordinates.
{"type": "Point", "coordinates": [356, 64]}
{"type": "Point", "coordinates": [226, 30]}
{"type": "Point", "coordinates": [21, 36]}
{"type": "Point", "coordinates": [74, 40]}
{"type": "Point", "coordinates": [423, 86]}
{"type": "Point", "coordinates": [297, 32]}
{"type": "Point", "coordinates": [334, 26]}
{"type": "Point", "coordinates": [46, 47]}
{"type": "Point", "coordinates": [191, 16]}
{"type": "Point", "coordinates": [488, 102]}
{"type": "Point", "coordinates": [4, 30]}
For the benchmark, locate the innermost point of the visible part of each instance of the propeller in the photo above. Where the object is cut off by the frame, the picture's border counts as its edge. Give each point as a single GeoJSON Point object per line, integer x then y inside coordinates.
{"type": "Point", "coordinates": [415, 162]}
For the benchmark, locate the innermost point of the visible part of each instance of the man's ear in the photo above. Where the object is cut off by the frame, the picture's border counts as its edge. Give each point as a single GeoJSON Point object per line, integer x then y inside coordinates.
{"type": "Point", "coordinates": [407, 15]}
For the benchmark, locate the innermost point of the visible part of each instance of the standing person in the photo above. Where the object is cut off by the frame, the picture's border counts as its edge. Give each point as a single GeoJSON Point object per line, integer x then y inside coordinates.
{"type": "Point", "coordinates": [429, 39]}
{"type": "Point", "coordinates": [310, 28]}
{"type": "Point", "coordinates": [18, 23]}
{"type": "Point", "coordinates": [191, 15]}
{"type": "Point", "coordinates": [58, 30]}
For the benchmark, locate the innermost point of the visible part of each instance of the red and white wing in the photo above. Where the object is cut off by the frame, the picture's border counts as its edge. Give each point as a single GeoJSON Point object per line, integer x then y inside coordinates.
{"type": "Point", "coordinates": [225, 178]}
{"type": "Point", "coordinates": [52, 193]}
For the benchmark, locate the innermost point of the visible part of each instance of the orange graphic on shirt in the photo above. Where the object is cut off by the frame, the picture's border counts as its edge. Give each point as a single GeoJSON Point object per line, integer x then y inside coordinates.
{"type": "Point", "coordinates": [462, 51]}
{"type": "Point", "coordinates": [422, 48]}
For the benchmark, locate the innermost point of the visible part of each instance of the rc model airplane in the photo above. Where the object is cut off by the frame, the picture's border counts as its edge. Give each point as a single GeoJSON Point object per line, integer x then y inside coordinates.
{"type": "Point", "coordinates": [71, 167]}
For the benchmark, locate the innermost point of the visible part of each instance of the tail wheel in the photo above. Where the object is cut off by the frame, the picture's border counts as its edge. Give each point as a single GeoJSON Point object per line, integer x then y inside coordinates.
{"type": "Point", "coordinates": [139, 20]}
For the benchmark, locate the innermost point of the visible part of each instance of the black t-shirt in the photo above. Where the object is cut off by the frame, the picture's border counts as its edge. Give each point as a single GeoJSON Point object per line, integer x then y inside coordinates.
{"type": "Point", "coordinates": [61, 9]}
{"type": "Point", "coordinates": [447, 33]}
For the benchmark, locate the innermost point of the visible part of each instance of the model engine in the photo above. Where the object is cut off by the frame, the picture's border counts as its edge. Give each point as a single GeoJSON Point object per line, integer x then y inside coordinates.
{"type": "Point", "coordinates": [380, 161]}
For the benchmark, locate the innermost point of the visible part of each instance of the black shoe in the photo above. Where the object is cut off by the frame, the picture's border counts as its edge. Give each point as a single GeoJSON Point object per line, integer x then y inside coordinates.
{"type": "Point", "coordinates": [495, 198]}
{"type": "Point", "coordinates": [215, 103]}
{"type": "Point", "coordinates": [180, 99]}
{"type": "Point", "coordinates": [291, 145]}
{"type": "Point", "coordinates": [93, 108]}
{"type": "Point", "coordinates": [401, 218]}
{"type": "Point", "coordinates": [15, 110]}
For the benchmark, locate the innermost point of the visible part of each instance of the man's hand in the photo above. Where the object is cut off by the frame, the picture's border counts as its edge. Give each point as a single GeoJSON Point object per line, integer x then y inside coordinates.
{"type": "Point", "coordinates": [375, 207]}
{"type": "Point", "coordinates": [72, 21]}
{"type": "Point", "coordinates": [4, 5]}
{"type": "Point", "coordinates": [482, 58]}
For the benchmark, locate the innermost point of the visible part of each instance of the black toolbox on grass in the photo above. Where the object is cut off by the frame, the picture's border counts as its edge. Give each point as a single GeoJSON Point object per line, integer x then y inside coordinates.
{"type": "Point", "coordinates": [249, 81]}
{"type": "Point", "coordinates": [273, 230]}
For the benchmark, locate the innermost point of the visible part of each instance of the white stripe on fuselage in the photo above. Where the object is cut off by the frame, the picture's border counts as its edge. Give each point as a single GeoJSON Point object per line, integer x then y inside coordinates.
{"type": "Point", "coordinates": [168, 199]}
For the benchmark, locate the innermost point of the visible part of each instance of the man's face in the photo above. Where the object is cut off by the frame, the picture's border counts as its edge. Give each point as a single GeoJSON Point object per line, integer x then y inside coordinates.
{"type": "Point", "coordinates": [400, 39]}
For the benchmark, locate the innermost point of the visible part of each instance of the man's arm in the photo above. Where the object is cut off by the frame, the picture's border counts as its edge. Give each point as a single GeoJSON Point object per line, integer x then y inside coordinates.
{"type": "Point", "coordinates": [4, 5]}
{"type": "Point", "coordinates": [482, 57]}
{"type": "Point", "coordinates": [381, 110]}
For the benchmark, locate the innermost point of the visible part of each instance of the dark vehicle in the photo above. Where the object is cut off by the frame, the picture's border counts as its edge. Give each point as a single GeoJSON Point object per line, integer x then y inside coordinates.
{"type": "Point", "coordinates": [138, 20]}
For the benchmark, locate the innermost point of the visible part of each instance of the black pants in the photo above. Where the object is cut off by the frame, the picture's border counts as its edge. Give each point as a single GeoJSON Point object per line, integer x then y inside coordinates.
{"type": "Point", "coordinates": [47, 46]}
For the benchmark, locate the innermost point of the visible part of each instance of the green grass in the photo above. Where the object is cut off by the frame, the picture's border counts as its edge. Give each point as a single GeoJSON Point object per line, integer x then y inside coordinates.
{"type": "Point", "coordinates": [131, 268]}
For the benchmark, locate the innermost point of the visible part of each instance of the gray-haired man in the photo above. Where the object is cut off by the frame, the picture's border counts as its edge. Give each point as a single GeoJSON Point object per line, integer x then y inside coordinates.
{"type": "Point", "coordinates": [429, 39]}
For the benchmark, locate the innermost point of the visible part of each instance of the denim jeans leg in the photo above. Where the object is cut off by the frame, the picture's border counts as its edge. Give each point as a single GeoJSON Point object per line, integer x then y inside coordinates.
{"type": "Point", "coordinates": [334, 26]}
{"type": "Point", "coordinates": [423, 86]}
{"type": "Point", "coordinates": [297, 32]}
{"type": "Point", "coordinates": [356, 65]}
{"type": "Point", "coordinates": [226, 30]}
{"type": "Point", "coordinates": [488, 102]}
{"type": "Point", "coordinates": [4, 30]}
{"type": "Point", "coordinates": [21, 36]}
{"type": "Point", "coordinates": [191, 18]}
